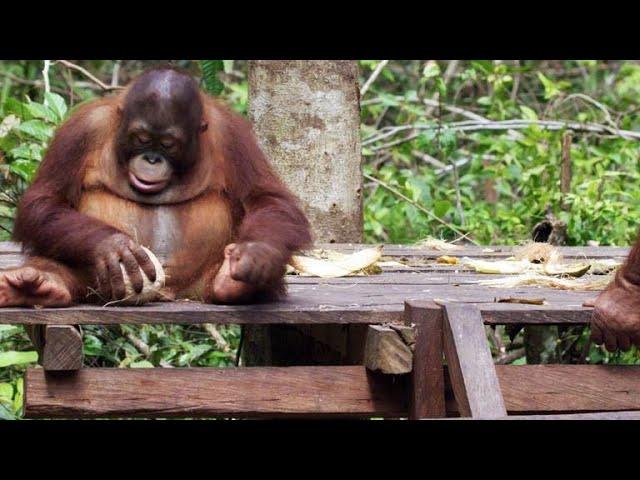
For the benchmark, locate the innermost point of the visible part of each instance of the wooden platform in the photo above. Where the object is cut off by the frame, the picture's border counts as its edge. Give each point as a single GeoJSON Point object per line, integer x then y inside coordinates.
{"type": "Point", "coordinates": [449, 328]}
{"type": "Point", "coordinates": [367, 299]}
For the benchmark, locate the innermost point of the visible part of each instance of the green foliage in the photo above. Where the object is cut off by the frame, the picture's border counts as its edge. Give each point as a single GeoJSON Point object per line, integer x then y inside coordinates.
{"type": "Point", "coordinates": [25, 132]}
{"type": "Point", "coordinates": [210, 78]}
{"type": "Point", "coordinates": [14, 358]}
{"type": "Point", "coordinates": [504, 182]}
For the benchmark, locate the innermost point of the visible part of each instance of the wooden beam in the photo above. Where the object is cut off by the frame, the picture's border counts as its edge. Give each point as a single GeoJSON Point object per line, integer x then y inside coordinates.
{"type": "Point", "coordinates": [569, 388]}
{"type": "Point", "coordinates": [473, 375]}
{"type": "Point", "coordinates": [385, 350]}
{"type": "Point", "coordinates": [214, 392]}
{"type": "Point", "coordinates": [624, 415]}
{"type": "Point", "coordinates": [335, 311]}
{"type": "Point", "coordinates": [63, 348]}
{"type": "Point", "coordinates": [633, 415]}
{"type": "Point", "coordinates": [426, 388]}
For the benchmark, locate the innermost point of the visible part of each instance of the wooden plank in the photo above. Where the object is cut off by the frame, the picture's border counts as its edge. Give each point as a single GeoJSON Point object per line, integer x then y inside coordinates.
{"type": "Point", "coordinates": [492, 313]}
{"type": "Point", "coordinates": [386, 351]}
{"type": "Point", "coordinates": [580, 416]}
{"type": "Point", "coordinates": [213, 392]}
{"type": "Point", "coordinates": [426, 389]}
{"type": "Point", "coordinates": [473, 375]}
{"type": "Point", "coordinates": [397, 250]}
{"type": "Point", "coordinates": [569, 388]}
{"type": "Point", "coordinates": [499, 251]}
{"type": "Point", "coordinates": [62, 349]}
{"type": "Point", "coordinates": [624, 415]}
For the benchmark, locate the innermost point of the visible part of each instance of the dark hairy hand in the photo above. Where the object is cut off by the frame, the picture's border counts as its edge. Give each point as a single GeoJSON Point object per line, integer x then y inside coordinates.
{"type": "Point", "coordinates": [257, 263]}
{"type": "Point", "coordinates": [109, 253]}
{"type": "Point", "coordinates": [616, 318]}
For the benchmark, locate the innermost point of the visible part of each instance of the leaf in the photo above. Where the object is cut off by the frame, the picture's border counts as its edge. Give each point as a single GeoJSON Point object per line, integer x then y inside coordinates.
{"type": "Point", "coordinates": [6, 393]}
{"type": "Point", "coordinates": [210, 70]}
{"type": "Point", "coordinates": [24, 168]}
{"type": "Point", "coordinates": [92, 345]}
{"type": "Point", "coordinates": [18, 397]}
{"type": "Point", "coordinates": [28, 151]}
{"type": "Point", "coordinates": [142, 364]}
{"type": "Point", "coordinates": [7, 331]}
{"type": "Point", "coordinates": [56, 104]}
{"type": "Point", "coordinates": [36, 129]}
{"type": "Point", "coordinates": [10, 358]}
{"type": "Point", "coordinates": [38, 110]}
{"type": "Point", "coordinates": [528, 113]}
{"type": "Point", "coordinates": [431, 69]}
{"type": "Point", "coordinates": [441, 207]}
{"type": "Point", "coordinates": [551, 89]}
{"type": "Point", "coordinates": [5, 413]}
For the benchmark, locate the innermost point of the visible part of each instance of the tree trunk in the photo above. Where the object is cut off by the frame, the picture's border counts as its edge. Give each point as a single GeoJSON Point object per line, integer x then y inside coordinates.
{"type": "Point", "coordinates": [306, 115]}
{"type": "Point", "coordinates": [307, 118]}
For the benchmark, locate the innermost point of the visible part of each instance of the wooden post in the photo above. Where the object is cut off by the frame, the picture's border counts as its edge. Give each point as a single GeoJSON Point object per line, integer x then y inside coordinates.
{"type": "Point", "coordinates": [62, 348]}
{"type": "Point", "coordinates": [306, 116]}
{"type": "Point", "coordinates": [387, 351]}
{"type": "Point", "coordinates": [59, 347]}
{"type": "Point", "coordinates": [471, 369]}
{"type": "Point", "coordinates": [426, 390]}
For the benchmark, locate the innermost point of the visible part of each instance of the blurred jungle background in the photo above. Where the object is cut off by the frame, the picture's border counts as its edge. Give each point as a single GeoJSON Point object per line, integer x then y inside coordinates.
{"type": "Point", "coordinates": [493, 173]}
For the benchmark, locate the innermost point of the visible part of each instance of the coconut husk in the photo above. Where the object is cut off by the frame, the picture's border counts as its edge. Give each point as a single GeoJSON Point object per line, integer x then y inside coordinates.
{"type": "Point", "coordinates": [435, 244]}
{"type": "Point", "coordinates": [532, 279]}
{"type": "Point", "coordinates": [332, 264]}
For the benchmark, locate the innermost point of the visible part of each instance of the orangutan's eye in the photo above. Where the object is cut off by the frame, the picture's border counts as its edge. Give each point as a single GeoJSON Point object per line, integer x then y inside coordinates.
{"type": "Point", "coordinates": [142, 138]}
{"type": "Point", "coordinates": [167, 143]}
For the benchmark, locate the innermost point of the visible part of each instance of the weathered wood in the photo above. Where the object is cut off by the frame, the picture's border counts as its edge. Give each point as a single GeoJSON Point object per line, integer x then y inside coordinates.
{"type": "Point", "coordinates": [579, 416]}
{"type": "Point", "coordinates": [63, 348]}
{"type": "Point", "coordinates": [385, 350]}
{"type": "Point", "coordinates": [555, 389]}
{"type": "Point", "coordinates": [12, 250]}
{"type": "Point", "coordinates": [631, 415]}
{"type": "Point", "coordinates": [426, 386]}
{"type": "Point", "coordinates": [560, 313]}
{"type": "Point", "coordinates": [569, 388]}
{"type": "Point", "coordinates": [213, 392]}
{"type": "Point", "coordinates": [407, 333]}
{"type": "Point", "coordinates": [486, 252]}
{"type": "Point", "coordinates": [471, 369]}
{"type": "Point", "coordinates": [359, 300]}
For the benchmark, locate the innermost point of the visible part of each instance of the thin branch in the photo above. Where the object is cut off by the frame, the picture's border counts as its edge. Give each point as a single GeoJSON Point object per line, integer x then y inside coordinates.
{"type": "Point", "coordinates": [518, 124]}
{"type": "Point", "coordinates": [213, 332]}
{"type": "Point", "coordinates": [418, 206]}
{"type": "Point", "coordinates": [115, 74]}
{"type": "Point", "coordinates": [45, 76]}
{"type": "Point", "coordinates": [510, 357]}
{"type": "Point", "coordinates": [140, 345]}
{"type": "Point", "coordinates": [433, 103]}
{"type": "Point", "coordinates": [87, 74]}
{"type": "Point", "coordinates": [592, 101]}
{"type": "Point", "coordinates": [372, 77]}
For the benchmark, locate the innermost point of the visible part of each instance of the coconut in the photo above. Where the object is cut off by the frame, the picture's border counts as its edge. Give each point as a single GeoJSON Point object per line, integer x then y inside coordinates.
{"type": "Point", "coordinates": [150, 290]}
